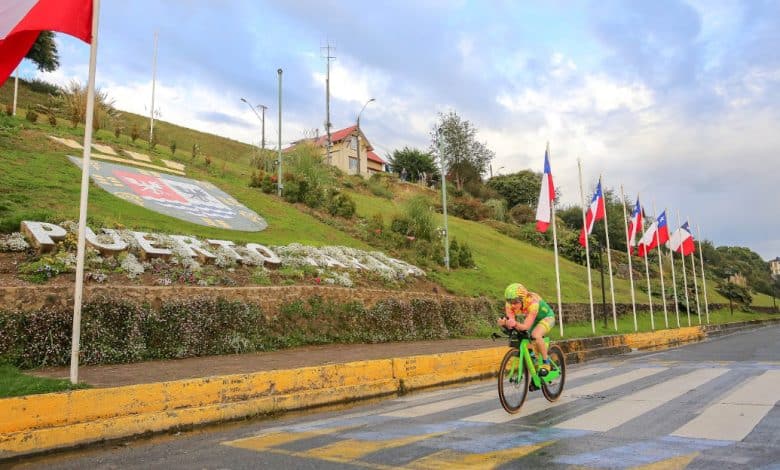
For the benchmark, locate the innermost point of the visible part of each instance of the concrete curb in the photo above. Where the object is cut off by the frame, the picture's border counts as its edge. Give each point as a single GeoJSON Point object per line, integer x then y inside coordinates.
{"type": "Point", "coordinates": [38, 423]}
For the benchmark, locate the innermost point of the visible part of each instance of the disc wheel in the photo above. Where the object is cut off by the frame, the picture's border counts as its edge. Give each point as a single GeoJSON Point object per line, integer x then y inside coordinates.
{"type": "Point", "coordinates": [512, 382]}
{"type": "Point", "coordinates": [552, 390]}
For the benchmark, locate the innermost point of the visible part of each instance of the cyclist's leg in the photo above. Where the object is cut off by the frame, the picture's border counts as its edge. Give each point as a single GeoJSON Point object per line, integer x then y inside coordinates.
{"type": "Point", "coordinates": [540, 330]}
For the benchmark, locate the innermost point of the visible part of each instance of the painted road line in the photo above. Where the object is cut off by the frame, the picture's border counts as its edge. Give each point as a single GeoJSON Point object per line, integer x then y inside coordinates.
{"type": "Point", "coordinates": [350, 450]}
{"type": "Point", "coordinates": [452, 459]}
{"type": "Point", "coordinates": [268, 441]}
{"type": "Point", "coordinates": [625, 409]}
{"type": "Point", "coordinates": [440, 406]}
{"type": "Point", "coordinates": [735, 416]}
{"type": "Point", "coordinates": [540, 403]}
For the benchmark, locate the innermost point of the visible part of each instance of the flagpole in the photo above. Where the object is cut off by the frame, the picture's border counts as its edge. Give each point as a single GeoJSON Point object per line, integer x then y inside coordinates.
{"type": "Point", "coordinates": [587, 251]}
{"type": "Point", "coordinates": [685, 281]}
{"type": "Point", "coordinates": [661, 267]}
{"type": "Point", "coordinates": [647, 273]}
{"type": "Point", "coordinates": [555, 249]}
{"type": "Point", "coordinates": [674, 285]}
{"type": "Point", "coordinates": [154, 81]}
{"type": "Point", "coordinates": [609, 255]}
{"type": "Point", "coordinates": [85, 166]}
{"type": "Point", "coordinates": [628, 252]}
{"type": "Point", "coordinates": [703, 276]}
{"type": "Point", "coordinates": [16, 88]}
{"type": "Point", "coordinates": [695, 286]}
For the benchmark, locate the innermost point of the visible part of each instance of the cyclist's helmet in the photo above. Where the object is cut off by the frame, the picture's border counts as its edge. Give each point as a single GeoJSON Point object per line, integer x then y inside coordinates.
{"type": "Point", "coordinates": [513, 291]}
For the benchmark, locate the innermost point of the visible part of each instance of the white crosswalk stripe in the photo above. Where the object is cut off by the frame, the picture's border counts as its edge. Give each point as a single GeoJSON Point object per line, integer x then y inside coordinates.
{"type": "Point", "coordinates": [624, 409]}
{"type": "Point", "coordinates": [735, 415]}
{"type": "Point", "coordinates": [539, 403]}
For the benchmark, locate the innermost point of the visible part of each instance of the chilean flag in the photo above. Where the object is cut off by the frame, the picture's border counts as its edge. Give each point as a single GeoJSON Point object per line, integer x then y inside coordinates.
{"type": "Point", "coordinates": [21, 21]}
{"type": "Point", "coordinates": [657, 233]}
{"type": "Point", "coordinates": [634, 225]}
{"type": "Point", "coordinates": [546, 196]}
{"type": "Point", "coordinates": [681, 240]}
{"type": "Point", "coordinates": [595, 213]}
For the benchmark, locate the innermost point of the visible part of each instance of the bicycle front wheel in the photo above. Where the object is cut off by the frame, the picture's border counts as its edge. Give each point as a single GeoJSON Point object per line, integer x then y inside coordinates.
{"type": "Point", "coordinates": [512, 381]}
{"type": "Point", "coordinates": [552, 390]}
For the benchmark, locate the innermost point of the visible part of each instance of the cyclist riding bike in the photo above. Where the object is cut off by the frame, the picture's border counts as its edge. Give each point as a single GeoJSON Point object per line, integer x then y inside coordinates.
{"type": "Point", "coordinates": [538, 317]}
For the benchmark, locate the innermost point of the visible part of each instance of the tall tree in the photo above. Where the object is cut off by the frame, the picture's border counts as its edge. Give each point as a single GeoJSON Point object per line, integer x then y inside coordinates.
{"type": "Point", "coordinates": [44, 52]}
{"type": "Point", "coordinates": [412, 162]}
{"type": "Point", "coordinates": [465, 157]}
{"type": "Point", "coordinates": [518, 188]}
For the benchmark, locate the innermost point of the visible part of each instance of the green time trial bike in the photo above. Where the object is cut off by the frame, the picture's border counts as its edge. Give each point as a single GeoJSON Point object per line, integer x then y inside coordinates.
{"type": "Point", "coordinates": [521, 372]}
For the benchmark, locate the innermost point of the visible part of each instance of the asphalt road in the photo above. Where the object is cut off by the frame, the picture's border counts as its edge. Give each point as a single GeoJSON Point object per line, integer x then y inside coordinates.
{"type": "Point", "coordinates": [708, 405]}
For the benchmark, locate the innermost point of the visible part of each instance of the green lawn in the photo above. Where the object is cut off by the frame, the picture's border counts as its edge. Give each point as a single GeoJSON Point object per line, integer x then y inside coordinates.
{"type": "Point", "coordinates": [13, 383]}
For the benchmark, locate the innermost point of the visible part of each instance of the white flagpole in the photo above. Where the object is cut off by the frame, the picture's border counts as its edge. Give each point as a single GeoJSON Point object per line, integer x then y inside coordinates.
{"type": "Point", "coordinates": [16, 88]}
{"type": "Point", "coordinates": [647, 273]}
{"type": "Point", "coordinates": [695, 285]}
{"type": "Point", "coordinates": [661, 267]}
{"type": "Point", "coordinates": [587, 252]}
{"type": "Point", "coordinates": [154, 82]}
{"type": "Point", "coordinates": [674, 282]}
{"type": "Point", "coordinates": [703, 276]}
{"type": "Point", "coordinates": [78, 291]}
{"type": "Point", "coordinates": [609, 255]}
{"type": "Point", "coordinates": [685, 280]}
{"type": "Point", "coordinates": [555, 248]}
{"type": "Point", "coordinates": [628, 252]}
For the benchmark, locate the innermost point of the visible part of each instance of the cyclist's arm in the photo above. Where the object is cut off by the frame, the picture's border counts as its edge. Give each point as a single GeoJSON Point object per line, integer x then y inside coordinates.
{"type": "Point", "coordinates": [511, 321]}
{"type": "Point", "coordinates": [530, 317]}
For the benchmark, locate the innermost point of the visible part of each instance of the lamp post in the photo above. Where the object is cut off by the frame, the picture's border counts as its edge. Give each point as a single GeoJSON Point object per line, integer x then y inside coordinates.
{"type": "Point", "coordinates": [358, 133]}
{"type": "Point", "coordinates": [279, 184]}
{"type": "Point", "coordinates": [262, 120]}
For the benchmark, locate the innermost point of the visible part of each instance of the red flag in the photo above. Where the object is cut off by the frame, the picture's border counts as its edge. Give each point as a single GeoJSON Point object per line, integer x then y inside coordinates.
{"type": "Point", "coordinates": [656, 234]}
{"type": "Point", "coordinates": [21, 21]}
{"type": "Point", "coordinates": [595, 213]}
{"type": "Point", "coordinates": [682, 241]}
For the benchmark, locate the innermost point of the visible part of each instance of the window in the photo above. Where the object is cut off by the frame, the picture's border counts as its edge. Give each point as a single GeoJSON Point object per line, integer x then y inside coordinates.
{"type": "Point", "coordinates": [353, 165]}
{"type": "Point", "coordinates": [353, 143]}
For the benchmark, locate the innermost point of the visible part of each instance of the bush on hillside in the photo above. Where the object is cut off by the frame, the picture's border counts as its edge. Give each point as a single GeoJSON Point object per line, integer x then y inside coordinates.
{"type": "Point", "coordinates": [32, 116]}
{"type": "Point", "coordinates": [418, 212]}
{"type": "Point", "coordinates": [522, 214]}
{"type": "Point", "coordinates": [498, 209]}
{"type": "Point", "coordinates": [468, 208]}
{"type": "Point", "coordinates": [340, 204]}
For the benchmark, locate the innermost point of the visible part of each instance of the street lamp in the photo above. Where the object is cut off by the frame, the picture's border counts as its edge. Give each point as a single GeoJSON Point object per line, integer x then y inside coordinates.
{"type": "Point", "coordinates": [261, 118]}
{"type": "Point", "coordinates": [358, 133]}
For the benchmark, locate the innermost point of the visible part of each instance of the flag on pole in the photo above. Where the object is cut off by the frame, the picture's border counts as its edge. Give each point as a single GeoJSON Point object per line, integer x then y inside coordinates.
{"type": "Point", "coordinates": [651, 239]}
{"type": "Point", "coordinates": [546, 197]}
{"type": "Point", "coordinates": [634, 225]}
{"type": "Point", "coordinates": [594, 214]}
{"type": "Point", "coordinates": [21, 21]}
{"type": "Point", "coordinates": [681, 240]}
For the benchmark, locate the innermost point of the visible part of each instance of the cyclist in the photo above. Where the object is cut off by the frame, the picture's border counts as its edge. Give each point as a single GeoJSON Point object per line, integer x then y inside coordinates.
{"type": "Point", "coordinates": [539, 318]}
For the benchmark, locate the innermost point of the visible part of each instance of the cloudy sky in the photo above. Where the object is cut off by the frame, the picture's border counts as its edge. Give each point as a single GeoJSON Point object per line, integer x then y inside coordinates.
{"type": "Point", "coordinates": [677, 101]}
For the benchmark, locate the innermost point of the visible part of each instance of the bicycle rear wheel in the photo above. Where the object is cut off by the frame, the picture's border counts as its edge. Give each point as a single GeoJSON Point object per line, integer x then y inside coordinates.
{"type": "Point", "coordinates": [512, 381]}
{"type": "Point", "coordinates": [552, 390]}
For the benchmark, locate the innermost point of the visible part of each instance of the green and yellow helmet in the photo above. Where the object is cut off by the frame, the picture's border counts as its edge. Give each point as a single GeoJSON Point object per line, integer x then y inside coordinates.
{"type": "Point", "coordinates": [514, 291]}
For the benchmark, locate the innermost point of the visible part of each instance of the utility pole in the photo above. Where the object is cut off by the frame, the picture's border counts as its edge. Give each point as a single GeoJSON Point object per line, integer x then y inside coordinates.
{"type": "Point", "coordinates": [154, 79]}
{"type": "Point", "coordinates": [279, 185]}
{"type": "Point", "coordinates": [263, 108]}
{"type": "Point", "coordinates": [328, 125]}
{"type": "Point", "coordinates": [357, 147]}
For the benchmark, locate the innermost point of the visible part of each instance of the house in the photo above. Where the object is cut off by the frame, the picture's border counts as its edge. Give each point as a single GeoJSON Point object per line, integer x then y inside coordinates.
{"type": "Point", "coordinates": [738, 279]}
{"type": "Point", "coordinates": [344, 153]}
{"type": "Point", "coordinates": [774, 267]}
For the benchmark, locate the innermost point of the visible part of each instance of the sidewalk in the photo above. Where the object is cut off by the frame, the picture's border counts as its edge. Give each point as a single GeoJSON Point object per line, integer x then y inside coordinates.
{"type": "Point", "coordinates": [116, 375]}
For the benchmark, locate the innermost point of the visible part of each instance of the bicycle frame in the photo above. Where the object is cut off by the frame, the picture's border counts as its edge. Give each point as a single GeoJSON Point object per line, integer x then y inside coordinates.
{"type": "Point", "coordinates": [516, 371]}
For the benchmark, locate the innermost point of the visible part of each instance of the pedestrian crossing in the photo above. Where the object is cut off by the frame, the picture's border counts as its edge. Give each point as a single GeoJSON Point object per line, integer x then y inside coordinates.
{"type": "Point", "coordinates": [680, 414]}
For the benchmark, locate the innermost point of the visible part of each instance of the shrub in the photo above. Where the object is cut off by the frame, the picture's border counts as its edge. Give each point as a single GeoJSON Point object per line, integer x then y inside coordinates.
{"type": "Point", "coordinates": [418, 211]}
{"type": "Point", "coordinates": [340, 204]}
{"type": "Point", "coordinates": [468, 208]}
{"type": "Point", "coordinates": [498, 209]}
{"type": "Point", "coordinates": [454, 254]}
{"type": "Point", "coordinates": [464, 256]}
{"type": "Point", "coordinates": [9, 109]}
{"type": "Point", "coordinates": [522, 214]}
{"type": "Point", "coordinates": [173, 147]}
{"type": "Point", "coordinates": [32, 116]}
{"type": "Point", "coordinates": [41, 86]}
{"type": "Point", "coordinates": [117, 132]}
{"type": "Point", "coordinates": [52, 119]}
{"type": "Point", "coordinates": [134, 132]}
{"type": "Point", "coordinates": [378, 189]}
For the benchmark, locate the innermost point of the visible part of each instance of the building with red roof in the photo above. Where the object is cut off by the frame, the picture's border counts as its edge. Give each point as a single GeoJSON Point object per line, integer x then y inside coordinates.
{"type": "Point", "coordinates": [344, 151]}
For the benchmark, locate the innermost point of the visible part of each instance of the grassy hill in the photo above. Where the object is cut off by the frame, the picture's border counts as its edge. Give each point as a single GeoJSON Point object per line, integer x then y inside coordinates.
{"type": "Point", "coordinates": [37, 182]}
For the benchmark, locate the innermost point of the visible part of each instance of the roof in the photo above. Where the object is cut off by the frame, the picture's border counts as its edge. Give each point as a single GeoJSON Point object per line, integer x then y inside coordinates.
{"type": "Point", "coordinates": [336, 136]}
{"type": "Point", "coordinates": [374, 157]}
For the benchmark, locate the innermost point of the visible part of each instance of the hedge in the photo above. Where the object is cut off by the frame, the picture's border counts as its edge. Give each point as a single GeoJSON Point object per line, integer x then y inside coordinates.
{"type": "Point", "coordinates": [117, 331]}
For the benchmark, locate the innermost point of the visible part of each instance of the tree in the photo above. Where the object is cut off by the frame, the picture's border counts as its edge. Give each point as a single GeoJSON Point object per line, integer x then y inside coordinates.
{"type": "Point", "coordinates": [75, 106]}
{"type": "Point", "coordinates": [518, 188]}
{"type": "Point", "coordinates": [44, 52]}
{"type": "Point", "coordinates": [735, 293]}
{"type": "Point", "coordinates": [465, 158]}
{"type": "Point", "coordinates": [413, 161]}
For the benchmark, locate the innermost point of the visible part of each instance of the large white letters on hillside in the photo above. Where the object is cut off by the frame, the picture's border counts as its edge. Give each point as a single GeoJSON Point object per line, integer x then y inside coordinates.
{"type": "Point", "coordinates": [44, 236]}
